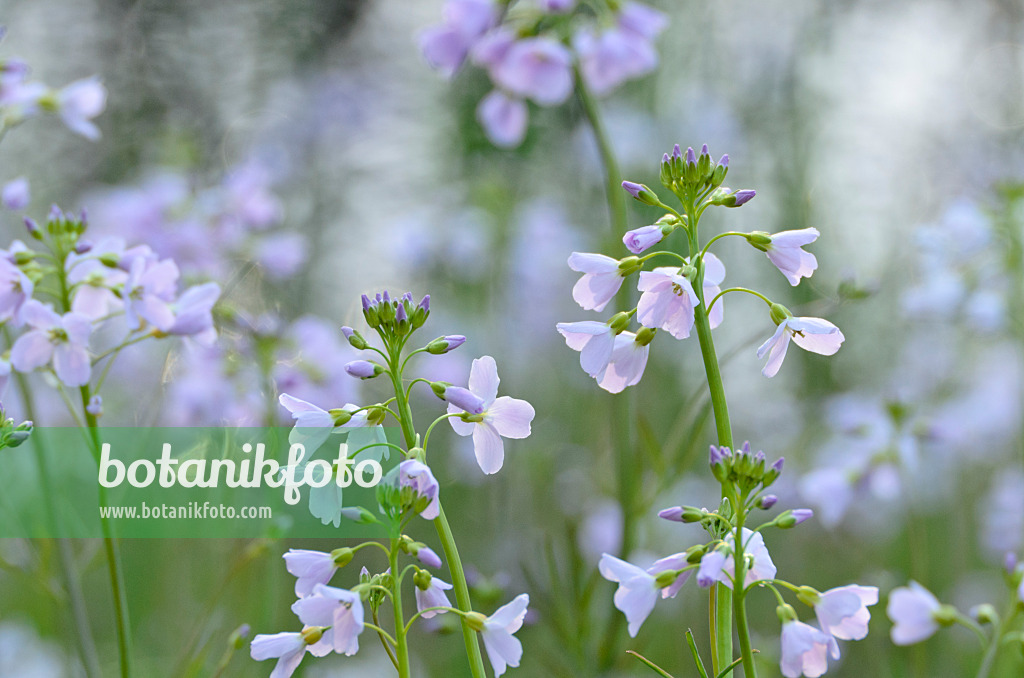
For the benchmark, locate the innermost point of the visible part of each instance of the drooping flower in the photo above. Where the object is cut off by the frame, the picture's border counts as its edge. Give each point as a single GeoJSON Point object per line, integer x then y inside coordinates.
{"type": "Point", "coordinates": [504, 118]}
{"type": "Point", "coordinates": [433, 596]}
{"type": "Point", "coordinates": [843, 612]}
{"type": "Point", "coordinates": [290, 648]}
{"type": "Point", "coordinates": [502, 417]}
{"type": "Point", "coordinates": [446, 45]}
{"type": "Point", "coordinates": [638, 588]}
{"type": "Point", "coordinates": [912, 610]}
{"type": "Point", "coordinates": [710, 570]}
{"type": "Point", "coordinates": [628, 362]}
{"type": "Point", "coordinates": [537, 68]}
{"type": "Point", "coordinates": [621, 52]}
{"type": "Point", "coordinates": [417, 476]}
{"type": "Point", "coordinates": [62, 339]}
{"type": "Point", "coordinates": [805, 650]}
{"type": "Point", "coordinates": [80, 102]}
{"type": "Point", "coordinates": [15, 289]}
{"type": "Point", "coordinates": [811, 334]}
{"type": "Point", "coordinates": [319, 422]}
{"type": "Point", "coordinates": [594, 340]}
{"type": "Point", "coordinates": [313, 567]}
{"type": "Point", "coordinates": [149, 291]}
{"type": "Point", "coordinates": [193, 313]}
{"type": "Point", "coordinates": [339, 609]}
{"type": "Point", "coordinates": [753, 546]}
{"type": "Point", "coordinates": [784, 251]}
{"type": "Point", "coordinates": [642, 239]}
{"type": "Point", "coordinates": [503, 648]}
{"type": "Point", "coordinates": [601, 279]}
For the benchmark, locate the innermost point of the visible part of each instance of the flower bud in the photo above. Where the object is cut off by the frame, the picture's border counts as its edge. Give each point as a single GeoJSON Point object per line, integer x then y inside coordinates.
{"type": "Point", "coordinates": [773, 472]}
{"type": "Point", "coordinates": [779, 313]}
{"type": "Point", "coordinates": [446, 343]}
{"type": "Point", "coordinates": [364, 369]}
{"type": "Point", "coordinates": [375, 415]}
{"type": "Point", "coordinates": [985, 614]}
{"type": "Point", "coordinates": [95, 406]}
{"type": "Point", "coordinates": [786, 613]}
{"type": "Point", "coordinates": [674, 513]}
{"type": "Point", "coordinates": [33, 228]}
{"type": "Point", "coordinates": [358, 514]}
{"type": "Point", "coordinates": [641, 193]}
{"type": "Point", "coordinates": [354, 338]}
{"type": "Point", "coordinates": [719, 459]}
{"type": "Point", "coordinates": [767, 501]}
{"type": "Point", "coordinates": [427, 556]}
{"type": "Point", "coordinates": [641, 239]}
{"type": "Point", "coordinates": [422, 311]}
{"type": "Point", "coordinates": [464, 399]}
{"type": "Point", "coordinates": [788, 519]}
{"type": "Point", "coordinates": [83, 246]}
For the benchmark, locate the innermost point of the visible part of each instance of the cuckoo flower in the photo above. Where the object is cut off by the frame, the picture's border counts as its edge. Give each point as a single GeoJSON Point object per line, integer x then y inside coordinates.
{"type": "Point", "coordinates": [15, 194]}
{"type": "Point", "coordinates": [638, 588]}
{"type": "Point", "coordinates": [667, 301]}
{"type": "Point", "coordinates": [320, 422]}
{"type": "Point", "coordinates": [594, 340]}
{"type": "Point", "coordinates": [15, 290]}
{"type": "Point", "coordinates": [538, 68]}
{"type": "Point", "coordinates": [290, 648]}
{"type": "Point", "coordinates": [601, 279]}
{"type": "Point", "coordinates": [627, 363]}
{"type": "Point", "coordinates": [912, 610]}
{"type": "Point", "coordinates": [338, 608]}
{"type": "Point", "coordinates": [313, 567]}
{"type": "Point", "coordinates": [503, 118]}
{"type": "Point", "coordinates": [811, 334]}
{"type": "Point", "coordinates": [843, 612]}
{"type": "Point", "coordinates": [63, 339]}
{"type": "Point", "coordinates": [805, 650]}
{"type": "Point", "coordinates": [80, 102]}
{"type": "Point", "coordinates": [193, 313]}
{"type": "Point", "coordinates": [504, 649]}
{"type": "Point", "coordinates": [784, 251]}
{"type": "Point", "coordinates": [502, 417]}
{"type": "Point", "coordinates": [417, 476]}
{"type": "Point", "coordinates": [446, 45]}
{"type": "Point", "coordinates": [753, 546]}
{"type": "Point", "coordinates": [433, 596]}
{"type": "Point", "coordinates": [149, 291]}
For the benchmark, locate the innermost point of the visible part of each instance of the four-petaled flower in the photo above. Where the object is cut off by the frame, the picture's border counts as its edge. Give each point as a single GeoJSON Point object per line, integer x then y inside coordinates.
{"type": "Point", "coordinates": [805, 650]}
{"type": "Point", "coordinates": [434, 596]}
{"type": "Point", "coordinates": [843, 612]}
{"type": "Point", "coordinates": [339, 609]}
{"type": "Point", "coordinates": [784, 251]}
{"type": "Point", "coordinates": [638, 588]}
{"type": "Point", "coordinates": [504, 649]}
{"type": "Point", "coordinates": [63, 339]}
{"type": "Point", "coordinates": [417, 476]}
{"type": "Point", "coordinates": [502, 417]}
{"type": "Point", "coordinates": [627, 364]}
{"type": "Point", "coordinates": [753, 546]}
{"type": "Point", "coordinates": [601, 279]}
{"type": "Point", "coordinates": [290, 648]}
{"type": "Point", "coordinates": [310, 568]}
{"type": "Point", "coordinates": [594, 340]}
{"type": "Point", "coordinates": [811, 334]}
{"type": "Point", "coordinates": [912, 610]}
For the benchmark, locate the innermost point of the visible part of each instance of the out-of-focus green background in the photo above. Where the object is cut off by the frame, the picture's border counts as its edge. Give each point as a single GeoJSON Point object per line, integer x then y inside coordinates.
{"type": "Point", "coordinates": [895, 128]}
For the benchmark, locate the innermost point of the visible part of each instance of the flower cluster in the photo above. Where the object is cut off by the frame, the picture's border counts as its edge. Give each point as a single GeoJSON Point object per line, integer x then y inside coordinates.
{"type": "Point", "coordinates": [333, 617]}
{"type": "Point", "coordinates": [674, 297]}
{"type": "Point", "coordinates": [534, 51]}
{"type": "Point", "coordinates": [745, 476]}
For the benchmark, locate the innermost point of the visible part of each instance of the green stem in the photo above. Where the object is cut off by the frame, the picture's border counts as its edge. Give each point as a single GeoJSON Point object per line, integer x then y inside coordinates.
{"type": "Point", "coordinates": [989, 660]}
{"type": "Point", "coordinates": [738, 289]}
{"type": "Point", "coordinates": [613, 189]}
{"type": "Point", "coordinates": [401, 645]}
{"type": "Point", "coordinates": [739, 607]}
{"type": "Point", "coordinates": [451, 554]}
{"type": "Point", "coordinates": [721, 621]}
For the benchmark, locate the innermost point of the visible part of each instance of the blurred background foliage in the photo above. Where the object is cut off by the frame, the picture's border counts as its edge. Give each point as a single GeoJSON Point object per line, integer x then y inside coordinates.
{"type": "Point", "coordinates": [895, 128]}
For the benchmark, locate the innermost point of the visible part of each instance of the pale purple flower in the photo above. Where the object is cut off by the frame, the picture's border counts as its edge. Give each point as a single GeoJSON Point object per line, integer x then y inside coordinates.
{"type": "Point", "coordinates": [627, 364]}
{"type": "Point", "coordinates": [290, 648]}
{"type": "Point", "coordinates": [93, 286]}
{"type": "Point", "coordinates": [80, 102]}
{"type": "Point", "coordinates": [62, 339]}
{"type": "Point", "coordinates": [312, 424]}
{"type": "Point", "coordinates": [193, 313]}
{"type": "Point", "coordinates": [538, 68]}
{"type": "Point", "coordinates": [641, 239]}
{"type": "Point", "coordinates": [95, 406]}
{"type": "Point", "coordinates": [502, 417]}
{"type": "Point", "coordinates": [831, 490]}
{"type": "Point", "coordinates": [310, 568]}
{"type": "Point", "coordinates": [594, 340]}
{"type": "Point", "coordinates": [601, 280]}
{"type": "Point", "coordinates": [667, 301]}
{"type": "Point", "coordinates": [638, 588]}
{"type": "Point", "coordinates": [714, 274]}
{"type": "Point", "coordinates": [426, 555]}
{"type": "Point", "coordinates": [15, 290]}
{"type": "Point", "coordinates": [811, 334]}
{"type": "Point", "coordinates": [912, 610]}
{"type": "Point", "coordinates": [464, 399]}
{"type": "Point", "coordinates": [753, 545]}
{"type": "Point", "coordinates": [843, 612]}
{"type": "Point", "coordinates": [805, 650]}
{"type": "Point", "coordinates": [503, 118]}
{"type": "Point", "coordinates": [434, 596]}
{"type": "Point", "coordinates": [340, 609]}
{"type": "Point", "coordinates": [149, 291]}
{"type": "Point", "coordinates": [417, 476]}
{"type": "Point", "coordinates": [743, 197]}
{"type": "Point", "coordinates": [610, 57]}
{"type": "Point", "coordinates": [446, 46]}
{"type": "Point", "coordinates": [784, 251]}
{"type": "Point", "coordinates": [556, 6]}
{"type": "Point", "coordinates": [282, 254]}
{"type": "Point", "coordinates": [363, 369]}
{"type": "Point", "coordinates": [641, 19]}
{"type": "Point", "coordinates": [16, 194]}
{"type": "Point", "coordinates": [504, 649]}
{"type": "Point", "coordinates": [710, 570]}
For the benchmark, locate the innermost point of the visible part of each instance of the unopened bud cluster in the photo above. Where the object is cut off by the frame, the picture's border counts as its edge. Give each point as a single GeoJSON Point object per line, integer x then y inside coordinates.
{"type": "Point", "coordinates": [398, 317]}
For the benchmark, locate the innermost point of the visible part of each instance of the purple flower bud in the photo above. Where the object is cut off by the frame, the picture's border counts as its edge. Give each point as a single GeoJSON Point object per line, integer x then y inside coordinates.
{"type": "Point", "coordinates": [16, 194]}
{"type": "Point", "coordinates": [1010, 562]}
{"type": "Point", "coordinates": [454, 341]}
{"type": "Point", "coordinates": [363, 369]}
{"type": "Point", "coordinates": [82, 246]}
{"type": "Point", "coordinates": [691, 157]}
{"type": "Point", "coordinates": [767, 501]}
{"type": "Point", "coordinates": [464, 399]}
{"type": "Point", "coordinates": [744, 196]}
{"type": "Point", "coordinates": [802, 514]}
{"type": "Point", "coordinates": [677, 152]}
{"type": "Point", "coordinates": [407, 297]}
{"type": "Point", "coordinates": [779, 463]}
{"type": "Point", "coordinates": [366, 303]}
{"type": "Point", "coordinates": [348, 331]}
{"type": "Point", "coordinates": [386, 298]}
{"type": "Point", "coordinates": [400, 314]}
{"type": "Point", "coordinates": [675, 514]}
{"type": "Point", "coordinates": [758, 457]}
{"type": "Point", "coordinates": [643, 238]}
{"type": "Point", "coordinates": [425, 302]}
{"type": "Point", "coordinates": [32, 226]}
{"type": "Point", "coordinates": [724, 162]}
{"type": "Point", "coordinates": [745, 448]}
{"type": "Point", "coordinates": [704, 150]}
{"type": "Point", "coordinates": [665, 159]}
{"type": "Point", "coordinates": [718, 454]}
{"type": "Point", "coordinates": [427, 556]}
{"type": "Point", "coordinates": [55, 214]}
{"type": "Point", "coordinates": [83, 218]}
{"type": "Point", "coordinates": [632, 188]}
{"type": "Point", "coordinates": [380, 299]}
